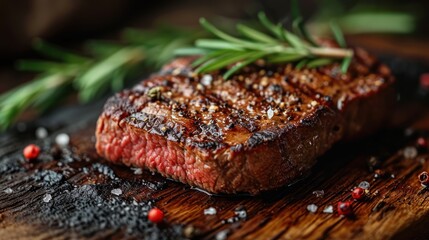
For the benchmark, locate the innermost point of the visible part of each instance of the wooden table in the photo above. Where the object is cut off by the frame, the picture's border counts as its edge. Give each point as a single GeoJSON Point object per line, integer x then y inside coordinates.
{"type": "Point", "coordinates": [397, 207]}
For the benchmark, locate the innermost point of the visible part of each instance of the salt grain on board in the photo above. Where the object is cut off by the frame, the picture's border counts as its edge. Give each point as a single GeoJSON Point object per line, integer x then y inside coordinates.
{"type": "Point", "coordinates": [364, 184]}
{"type": "Point", "coordinates": [328, 209]}
{"type": "Point", "coordinates": [240, 212]}
{"type": "Point", "coordinates": [206, 80]}
{"type": "Point", "coordinates": [410, 152]}
{"type": "Point", "coordinates": [319, 193]}
{"type": "Point", "coordinates": [8, 190]}
{"type": "Point", "coordinates": [137, 171]}
{"type": "Point", "coordinates": [62, 139]}
{"type": "Point", "coordinates": [41, 133]}
{"type": "Point", "coordinates": [47, 198]}
{"type": "Point", "coordinates": [270, 113]}
{"type": "Point", "coordinates": [312, 208]}
{"type": "Point", "coordinates": [210, 211]}
{"type": "Point", "coordinates": [222, 235]}
{"type": "Point", "coordinates": [116, 191]}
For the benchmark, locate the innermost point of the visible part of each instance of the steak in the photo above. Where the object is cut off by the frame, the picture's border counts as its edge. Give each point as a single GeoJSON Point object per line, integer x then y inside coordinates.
{"type": "Point", "coordinates": [260, 130]}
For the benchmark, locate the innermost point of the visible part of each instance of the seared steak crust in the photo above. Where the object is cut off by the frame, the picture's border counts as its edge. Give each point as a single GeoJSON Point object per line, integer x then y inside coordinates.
{"type": "Point", "coordinates": [260, 130]}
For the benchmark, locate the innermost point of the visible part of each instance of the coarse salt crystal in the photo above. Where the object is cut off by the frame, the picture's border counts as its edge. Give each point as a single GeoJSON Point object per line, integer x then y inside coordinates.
{"type": "Point", "coordinates": [222, 235]}
{"type": "Point", "coordinates": [410, 152]}
{"type": "Point", "coordinates": [137, 171]}
{"type": "Point", "coordinates": [270, 113]}
{"type": "Point", "coordinates": [41, 132]}
{"type": "Point", "coordinates": [206, 80]}
{"type": "Point", "coordinates": [312, 208]}
{"type": "Point", "coordinates": [328, 209]}
{"type": "Point", "coordinates": [213, 108]}
{"type": "Point", "coordinates": [364, 185]}
{"type": "Point", "coordinates": [210, 211]}
{"type": "Point", "coordinates": [319, 193]}
{"type": "Point", "coordinates": [116, 191]}
{"type": "Point", "coordinates": [47, 198]}
{"type": "Point", "coordinates": [8, 190]}
{"type": "Point", "coordinates": [62, 139]}
{"type": "Point", "coordinates": [240, 212]}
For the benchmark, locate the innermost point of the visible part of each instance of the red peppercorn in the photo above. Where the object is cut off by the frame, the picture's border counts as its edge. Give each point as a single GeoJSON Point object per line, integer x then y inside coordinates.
{"type": "Point", "coordinates": [422, 143]}
{"type": "Point", "coordinates": [345, 208]}
{"type": "Point", "coordinates": [424, 179]}
{"type": "Point", "coordinates": [358, 193]}
{"type": "Point", "coordinates": [155, 215]}
{"type": "Point", "coordinates": [424, 80]}
{"type": "Point", "coordinates": [31, 151]}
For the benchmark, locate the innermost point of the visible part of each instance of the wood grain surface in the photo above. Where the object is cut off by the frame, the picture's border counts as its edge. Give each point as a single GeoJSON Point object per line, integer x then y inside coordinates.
{"type": "Point", "coordinates": [397, 207]}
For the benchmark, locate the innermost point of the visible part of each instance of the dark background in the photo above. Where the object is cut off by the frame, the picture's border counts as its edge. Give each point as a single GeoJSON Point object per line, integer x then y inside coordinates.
{"type": "Point", "coordinates": [65, 21]}
{"type": "Point", "coordinates": [69, 22]}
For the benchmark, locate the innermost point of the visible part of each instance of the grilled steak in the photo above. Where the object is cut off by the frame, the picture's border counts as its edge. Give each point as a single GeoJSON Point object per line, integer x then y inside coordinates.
{"type": "Point", "coordinates": [260, 130]}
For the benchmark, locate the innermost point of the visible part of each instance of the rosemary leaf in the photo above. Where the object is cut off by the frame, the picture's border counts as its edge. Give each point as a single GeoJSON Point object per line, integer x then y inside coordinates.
{"type": "Point", "coordinates": [218, 44]}
{"type": "Point", "coordinates": [222, 35]}
{"type": "Point", "coordinates": [190, 51]}
{"type": "Point", "coordinates": [345, 64]}
{"type": "Point", "coordinates": [118, 79]}
{"type": "Point", "coordinates": [28, 95]}
{"type": "Point", "coordinates": [318, 62]}
{"type": "Point", "coordinates": [223, 61]}
{"type": "Point", "coordinates": [301, 64]}
{"type": "Point", "coordinates": [58, 53]}
{"type": "Point", "coordinates": [51, 97]}
{"type": "Point", "coordinates": [102, 49]}
{"type": "Point", "coordinates": [338, 34]}
{"type": "Point", "coordinates": [274, 29]}
{"type": "Point", "coordinates": [255, 35]}
{"type": "Point", "coordinates": [298, 23]}
{"type": "Point", "coordinates": [242, 64]}
{"type": "Point", "coordinates": [295, 10]}
{"type": "Point", "coordinates": [300, 30]}
{"type": "Point", "coordinates": [102, 70]}
{"type": "Point", "coordinates": [285, 58]}
{"type": "Point", "coordinates": [208, 56]}
{"type": "Point", "coordinates": [167, 51]}
{"type": "Point", "coordinates": [293, 40]}
{"type": "Point", "coordinates": [40, 66]}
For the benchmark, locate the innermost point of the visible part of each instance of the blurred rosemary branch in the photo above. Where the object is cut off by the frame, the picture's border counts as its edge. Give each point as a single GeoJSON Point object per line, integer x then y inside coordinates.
{"type": "Point", "coordinates": [108, 65]}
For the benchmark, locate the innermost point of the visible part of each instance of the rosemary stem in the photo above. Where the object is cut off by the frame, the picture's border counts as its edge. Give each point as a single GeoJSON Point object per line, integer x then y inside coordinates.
{"type": "Point", "coordinates": [331, 52]}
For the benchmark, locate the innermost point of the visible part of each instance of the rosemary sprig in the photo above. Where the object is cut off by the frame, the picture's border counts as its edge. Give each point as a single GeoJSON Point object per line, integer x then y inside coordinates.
{"type": "Point", "coordinates": [110, 64]}
{"type": "Point", "coordinates": [107, 67]}
{"type": "Point", "coordinates": [275, 46]}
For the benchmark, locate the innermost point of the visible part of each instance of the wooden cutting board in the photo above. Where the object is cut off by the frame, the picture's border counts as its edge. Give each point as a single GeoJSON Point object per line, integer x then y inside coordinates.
{"type": "Point", "coordinates": [76, 197]}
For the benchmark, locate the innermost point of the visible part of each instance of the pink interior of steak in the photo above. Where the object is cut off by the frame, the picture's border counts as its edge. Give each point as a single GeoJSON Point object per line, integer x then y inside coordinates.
{"type": "Point", "coordinates": [123, 143]}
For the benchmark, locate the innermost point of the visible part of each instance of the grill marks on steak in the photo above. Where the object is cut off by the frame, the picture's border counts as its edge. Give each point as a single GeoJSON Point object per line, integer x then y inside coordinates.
{"type": "Point", "coordinates": [258, 131]}
{"type": "Point", "coordinates": [364, 96]}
